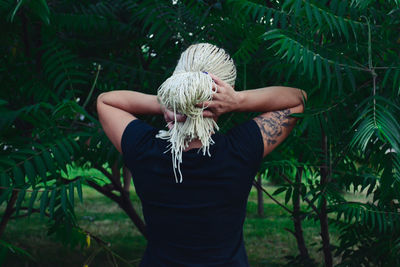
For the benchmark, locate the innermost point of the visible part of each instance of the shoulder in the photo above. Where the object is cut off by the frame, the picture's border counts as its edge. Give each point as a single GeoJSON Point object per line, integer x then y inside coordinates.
{"type": "Point", "coordinates": [135, 134]}
{"type": "Point", "coordinates": [247, 139]}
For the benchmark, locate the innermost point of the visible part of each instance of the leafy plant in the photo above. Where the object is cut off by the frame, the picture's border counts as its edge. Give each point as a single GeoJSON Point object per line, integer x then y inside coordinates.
{"type": "Point", "coordinates": [57, 57]}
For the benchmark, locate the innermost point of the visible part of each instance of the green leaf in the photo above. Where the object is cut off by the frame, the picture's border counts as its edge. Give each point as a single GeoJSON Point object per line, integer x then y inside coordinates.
{"type": "Point", "coordinates": [305, 60]}
{"type": "Point", "coordinates": [297, 8]}
{"type": "Point", "coordinates": [17, 7]}
{"type": "Point", "coordinates": [326, 17]}
{"type": "Point", "coordinates": [311, 64]}
{"type": "Point", "coordinates": [64, 197]}
{"type": "Point", "coordinates": [319, 69]}
{"type": "Point", "coordinates": [379, 219]}
{"type": "Point", "coordinates": [373, 219]}
{"type": "Point", "coordinates": [308, 12]}
{"type": "Point", "coordinates": [317, 15]}
{"type": "Point", "coordinates": [3, 102]}
{"type": "Point", "coordinates": [18, 176]}
{"type": "Point", "coordinates": [79, 189]}
{"type": "Point", "coordinates": [32, 200]}
{"type": "Point", "coordinates": [279, 190]}
{"type": "Point", "coordinates": [20, 199]}
{"type": "Point", "coordinates": [4, 194]}
{"type": "Point", "coordinates": [40, 167]}
{"type": "Point", "coordinates": [63, 150]}
{"type": "Point", "coordinates": [52, 201]}
{"type": "Point", "coordinates": [335, 23]}
{"type": "Point", "coordinates": [60, 160]}
{"type": "Point", "coordinates": [344, 28]}
{"type": "Point", "coordinates": [43, 202]}
{"type": "Point", "coordinates": [68, 146]}
{"type": "Point", "coordinates": [4, 180]}
{"type": "Point", "coordinates": [395, 80]}
{"type": "Point", "coordinates": [49, 160]}
{"type": "Point", "coordinates": [287, 3]}
{"type": "Point", "coordinates": [288, 195]}
{"type": "Point", "coordinates": [71, 193]}
{"type": "Point", "coordinates": [7, 162]}
{"type": "Point", "coordinates": [387, 75]}
{"type": "Point", "coordinates": [296, 54]}
{"type": "Point", "coordinates": [328, 73]}
{"type": "Point", "coordinates": [339, 77]}
{"type": "Point", "coordinates": [350, 76]}
{"type": "Point", "coordinates": [30, 172]}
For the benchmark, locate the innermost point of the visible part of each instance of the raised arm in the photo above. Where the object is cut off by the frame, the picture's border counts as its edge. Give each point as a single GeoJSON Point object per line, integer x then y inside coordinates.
{"type": "Point", "coordinates": [276, 102]}
{"type": "Point", "coordinates": [117, 108]}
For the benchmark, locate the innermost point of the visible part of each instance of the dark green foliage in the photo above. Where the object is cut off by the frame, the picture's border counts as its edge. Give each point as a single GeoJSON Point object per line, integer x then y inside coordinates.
{"type": "Point", "coordinates": [345, 54]}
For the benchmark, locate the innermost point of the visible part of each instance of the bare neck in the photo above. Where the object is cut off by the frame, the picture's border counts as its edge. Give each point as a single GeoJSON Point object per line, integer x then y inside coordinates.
{"type": "Point", "coordinates": [194, 144]}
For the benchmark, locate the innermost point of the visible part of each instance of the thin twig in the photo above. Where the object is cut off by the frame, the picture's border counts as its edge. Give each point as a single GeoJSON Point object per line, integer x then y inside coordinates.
{"type": "Point", "coordinates": [256, 184]}
{"type": "Point", "coordinates": [92, 89]}
{"type": "Point", "coordinates": [313, 207]}
{"type": "Point", "coordinates": [33, 210]}
{"type": "Point", "coordinates": [117, 184]}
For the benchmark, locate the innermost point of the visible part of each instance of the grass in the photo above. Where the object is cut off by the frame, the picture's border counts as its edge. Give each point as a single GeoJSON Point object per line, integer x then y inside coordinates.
{"type": "Point", "coordinates": [266, 240]}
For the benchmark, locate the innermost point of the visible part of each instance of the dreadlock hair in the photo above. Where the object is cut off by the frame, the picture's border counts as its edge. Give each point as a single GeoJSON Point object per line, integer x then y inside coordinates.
{"type": "Point", "coordinates": [189, 85]}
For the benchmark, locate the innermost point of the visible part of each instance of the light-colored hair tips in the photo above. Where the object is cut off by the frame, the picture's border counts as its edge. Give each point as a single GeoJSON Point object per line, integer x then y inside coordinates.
{"type": "Point", "coordinates": [189, 85]}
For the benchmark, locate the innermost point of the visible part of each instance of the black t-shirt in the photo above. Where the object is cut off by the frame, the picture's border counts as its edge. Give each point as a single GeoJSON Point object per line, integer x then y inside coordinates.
{"type": "Point", "coordinates": [198, 222]}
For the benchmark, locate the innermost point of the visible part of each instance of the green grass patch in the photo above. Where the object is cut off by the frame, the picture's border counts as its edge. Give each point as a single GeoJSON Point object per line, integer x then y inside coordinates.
{"type": "Point", "coordinates": [266, 239]}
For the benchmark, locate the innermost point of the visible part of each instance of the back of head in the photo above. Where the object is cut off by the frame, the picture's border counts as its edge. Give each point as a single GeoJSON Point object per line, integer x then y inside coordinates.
{"type": "Point", "coordinates": [206, 57]}
{"type": "Point", "coordinates": [189, 85]}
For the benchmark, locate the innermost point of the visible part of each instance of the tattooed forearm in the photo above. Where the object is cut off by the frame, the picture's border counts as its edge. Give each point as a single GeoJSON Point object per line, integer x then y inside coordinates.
{"type": "Point", "coordinates": [272, 124]}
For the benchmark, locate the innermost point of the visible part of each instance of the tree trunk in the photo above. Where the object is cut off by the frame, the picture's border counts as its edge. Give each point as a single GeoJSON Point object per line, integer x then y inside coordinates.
{"type": "Point", "coordinates": [326, 247]}
{"type": "Point", "coordinates": [126, 205]}
{"type": "Point", "coordinates": [127, 176]}
{"type": "Point", "coordinates": [260, 198]}
{"type": "Point", "coordinates": [25, 32]}
{"type": "Point", "coordinates": [298, 230]}
{"type": "Point", "coordinates": [9, 211]}
{"type": "Point", "coordinates": [323, 215]}
{"type": "Point", "coordinates": [123, 199]}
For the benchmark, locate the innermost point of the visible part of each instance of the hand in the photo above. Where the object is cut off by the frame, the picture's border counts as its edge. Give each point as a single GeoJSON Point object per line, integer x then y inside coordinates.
{"type": "Point", "coordinates": [224, 100]}
{"type": "Point", "coordinates": [170, 118]}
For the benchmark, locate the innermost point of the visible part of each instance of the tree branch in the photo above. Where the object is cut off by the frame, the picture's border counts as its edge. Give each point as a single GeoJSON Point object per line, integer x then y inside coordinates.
{"type": "Point", "coordinates": [27, 214]}
{"type": "Point", "coordinates": [313, 207]}
{"type": "Point", "coordinates": [257, 185]}
{"type": "Point", "coordinates": [109, 176]}
{"type": "Point", "coordinates": [8, 212]}
{"type": "Point", "coordinates": [105, 191]}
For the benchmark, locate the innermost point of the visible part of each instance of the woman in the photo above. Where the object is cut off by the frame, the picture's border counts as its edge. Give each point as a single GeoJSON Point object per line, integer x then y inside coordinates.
{"type": "Point", "coordinates": [194, 204]}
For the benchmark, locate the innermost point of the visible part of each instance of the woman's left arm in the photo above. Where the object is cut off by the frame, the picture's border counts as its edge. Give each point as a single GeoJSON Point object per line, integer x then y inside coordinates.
{"type": "Point", "coordinates": [116, 109]}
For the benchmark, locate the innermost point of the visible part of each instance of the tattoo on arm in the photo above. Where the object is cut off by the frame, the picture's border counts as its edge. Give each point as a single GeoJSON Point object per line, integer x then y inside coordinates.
{"type": "Point", "coordinates": [272, 125]}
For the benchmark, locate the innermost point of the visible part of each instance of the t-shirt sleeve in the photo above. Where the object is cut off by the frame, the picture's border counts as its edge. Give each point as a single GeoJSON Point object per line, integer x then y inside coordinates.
{"type": "Point", "coordinates": [134, 137]}
{"type": "Point", "coordinates": [247, 140]}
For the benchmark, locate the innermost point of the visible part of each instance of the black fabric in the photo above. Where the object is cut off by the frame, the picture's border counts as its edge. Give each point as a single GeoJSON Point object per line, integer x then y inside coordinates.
{"type": "Point", "coordinates": [198, 222]}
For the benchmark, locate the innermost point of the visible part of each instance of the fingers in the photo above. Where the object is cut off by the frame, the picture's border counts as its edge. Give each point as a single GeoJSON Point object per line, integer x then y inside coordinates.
{"type": "Point", "coordinates": [170, 125]}
{"type": "Point", "coordinates": [217, 89]}
{"type": "Point", "coordinates": [180, 117]}
{"type": "Point", "coordinates": [169, 116]}
{"type": "Point", "coordinates": [218, 81]}
{"type": "Point", "coordinates": [208, 114]}
{"type": "Point", "coordinates": [206, 104]}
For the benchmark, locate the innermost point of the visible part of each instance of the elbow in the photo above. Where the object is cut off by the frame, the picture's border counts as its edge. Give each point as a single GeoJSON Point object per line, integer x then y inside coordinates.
{"type": "Point", "coordinates": [303, 95]}
{"type": "Point", "coordinates": [100, 98]}
{"type": "Point", "coordinates": [303, 99]}
{"type": "Point", "coordinates": [302, 102]}
{"type": "Point", "coordinates": [100, 101]}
